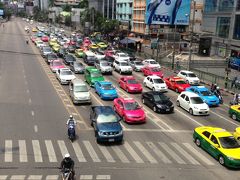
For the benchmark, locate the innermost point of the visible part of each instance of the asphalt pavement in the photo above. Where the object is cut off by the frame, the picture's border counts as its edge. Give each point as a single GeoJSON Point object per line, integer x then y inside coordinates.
{"type": "Point", "coordinates": [34, 109]}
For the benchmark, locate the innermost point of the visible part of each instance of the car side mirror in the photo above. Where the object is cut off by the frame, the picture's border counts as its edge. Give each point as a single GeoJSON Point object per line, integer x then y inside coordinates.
{"type": "Point", "coordinates": [216, 145]}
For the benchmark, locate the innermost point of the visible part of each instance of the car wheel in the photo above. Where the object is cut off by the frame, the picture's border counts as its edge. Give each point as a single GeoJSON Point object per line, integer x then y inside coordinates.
{"type": "Point", "coordinates": [178, 103]}
{"type": "Point", "coordinates": [176, 90]}
{"type": "Point", "coordinates": [198, 142]}
{"type": "Point", "coordinates": [143, 100]}
{"type": "Point", "coordinates": [191, 111]}
{"type": "Point", "coordinates": [154, 109]}
{"type": "Point", "coordinates": [234, 117]}
{"type": "Point", "coordinates": [221, 160]}
{"type": "Point", "coordinates": [145, 84]}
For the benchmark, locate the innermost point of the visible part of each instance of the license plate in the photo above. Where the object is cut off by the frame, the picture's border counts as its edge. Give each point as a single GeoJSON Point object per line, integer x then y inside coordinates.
{"type": "Point", "coordinates": [167, 109]}
{"type": "Point", "coordinates": [111, 140]}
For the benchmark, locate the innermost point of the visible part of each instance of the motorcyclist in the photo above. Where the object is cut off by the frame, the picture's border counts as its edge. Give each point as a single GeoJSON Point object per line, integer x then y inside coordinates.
{"type": "Point", "coordinates": [67, 163]}
{"type": "Point", "coordinates": [26, 40]}
{"type": "Point", "coordinates": [217, 93]}
{"type": "Point", "coordinates": [236, 99]}
{"type": "Point", "coordinates": [71, 122]}
{"type": "Point", "coordinates": [213, 87]}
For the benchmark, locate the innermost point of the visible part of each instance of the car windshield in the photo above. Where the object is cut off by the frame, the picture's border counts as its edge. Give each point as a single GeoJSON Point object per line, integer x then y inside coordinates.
{"type": "Point", "coordinates": [47, 49]}
{"type": "Point", "coordinates": [96, 74]}
{"type": "Point", "coordinates": [57, 63]}
{"type": "Point", "coordinates": [78, 64]}
{"type": "Point", "coordinates": [104, 64]}
{"type": "Point", "coordinates": [160, 97]}
{"type": "Point", "coordinates": [138, 63]}
{"type": "Point", "coordinates": [181, 82]}
{"type": "Point", "coordinates": [124, 64]}
{"type": "Point", "coordinates": [152, 62]}
{"type": "Point", "coordinates": [106, 118]}
{"type": "Point", "coordinates": [229, 142]}
{"type": "Point", "coordinates": [52, 56]}
{"type": "Point", "coordinates": [81, 88]}
{"type": "Point", "coordinates": [206, 93]}
{"type": "Point", "coordinates": [131, 106]}
{"type": "Point", "coordinates": [122, 55]}
{"type": "Point", "coordinates": [196, 100]}
{"type": "Point", "coordinates": [191, 75]}
{"type": "Point", "coordinates": [70, 58]}
{"type": "Point", "coordinates": [155, 69]}
{"type": "Point", "coordinates": [132, 81]}
{"type": "Point", "coordinates": [107, 86]}
{"type": "Point", "coordinates": [66, 73]}
{"type": "Point", "coordinates": [158, 81]}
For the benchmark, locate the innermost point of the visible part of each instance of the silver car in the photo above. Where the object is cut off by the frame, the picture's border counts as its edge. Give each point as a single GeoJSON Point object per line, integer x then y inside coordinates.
{"type": "Point", "coordinates": [103, 66]}
{"type": "Point", "coordinates": [136, 65]}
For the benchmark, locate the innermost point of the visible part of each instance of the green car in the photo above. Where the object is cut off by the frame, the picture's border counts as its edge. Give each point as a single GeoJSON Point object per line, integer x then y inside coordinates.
{"type": "Point", "coordinates": [79, 53]}
{"type": "Point", "coordinates": [234, 112]}
{"type": "Point", "coordinates": [92, 75]}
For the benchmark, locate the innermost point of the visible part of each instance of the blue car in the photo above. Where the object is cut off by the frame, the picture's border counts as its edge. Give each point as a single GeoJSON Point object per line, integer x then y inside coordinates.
{"type": "Point", "coordinates": [207, 96]}
{"type": "Point", "coordinates": [106, 124]}
{"type": "Point", "coordinates": [105, 90]}
{"type": "Point", "coordinates": [40, 34]}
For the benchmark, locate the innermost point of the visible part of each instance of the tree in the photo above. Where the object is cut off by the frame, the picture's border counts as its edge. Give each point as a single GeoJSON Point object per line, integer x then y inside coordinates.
{"type": "Point", "coordinates": [66, 8]}
{"type": "Point", "coordinates": [51, 3]}
{"type": "Point", "coordinates": [68, 21]}
{"type": "Point", "coordinates": [22, 13]}
{"type": "Point", "coordinates": [83, 4]}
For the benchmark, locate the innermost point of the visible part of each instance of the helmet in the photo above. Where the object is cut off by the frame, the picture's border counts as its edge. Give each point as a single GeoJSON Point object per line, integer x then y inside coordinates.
{"type": "Point", "coordinates": [71, 116]}
{"type": "Point", "coordinates": [217, 88]}
{"type": "Point", "coordinates": [67, 155]}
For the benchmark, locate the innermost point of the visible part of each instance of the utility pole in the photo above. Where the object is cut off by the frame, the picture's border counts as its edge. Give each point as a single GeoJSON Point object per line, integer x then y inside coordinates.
{"type": "Point", "coordinates": [191, 39]}
{"type": "Point", "coordinates": [158, 40]}
{"type": "Point", "coordinates": [174, 44]}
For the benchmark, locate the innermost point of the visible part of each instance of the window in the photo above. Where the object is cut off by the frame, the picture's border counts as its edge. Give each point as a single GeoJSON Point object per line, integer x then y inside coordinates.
{"type": "Point", "coordinates": [210, 5]}
{"type": "Point", "coordinates": [187, 98]}
{"type": "Point", "coordinates": [223, 24]}
{"type": "Point", "coordinates": [206, 133]}
{"type": "Point", "coordinates": [130, 5]}
{"type": "Point", "coordinates": [226, 5]}
{"type": "Point", "coordinates": [236, 33]}
{"type": "Point", "coordinates": [214, 139]}
{"type": "Point", "coordinates": [183, 96]}
{"type": "Point", "coordinates": [238, 5]}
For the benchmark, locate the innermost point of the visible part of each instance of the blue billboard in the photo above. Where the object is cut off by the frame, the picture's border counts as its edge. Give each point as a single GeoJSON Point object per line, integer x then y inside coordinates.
{"type": "Point", "coordinates": [169, 12]}
{"type": "Point", "coordinates": [1, 12]}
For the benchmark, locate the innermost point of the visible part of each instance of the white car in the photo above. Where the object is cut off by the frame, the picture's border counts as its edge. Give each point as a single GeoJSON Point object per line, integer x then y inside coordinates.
{"type": "Point", "coordinates": [189, 77]}
{"type": "Point", "coordinates": [155, 83]}
{"type": "Point", "coordinates": [103, 66]}
{"type": "Point", "coordinates": [26, 28]}
{"type": "Point", "coordinates": [65, 75]}
{"type": "Point", "coordinates": [151, 63]}
{"type": "Point", "coordinates": [99, 55]}
{"type": "Point", "coordinates": [192, 103]}
{"type": "Point", "coordinates": [40, 44]}
{"type": "Point", "coordinates": [122, 67]}
{"type": "Point", "coordinates": [121, 56]}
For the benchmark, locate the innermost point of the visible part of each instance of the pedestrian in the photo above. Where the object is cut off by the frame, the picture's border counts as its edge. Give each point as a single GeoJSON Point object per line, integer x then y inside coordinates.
{"type": "Point", "coordinates": [234, 82]}
{"type": "Point", "coordinates": [226, 81]}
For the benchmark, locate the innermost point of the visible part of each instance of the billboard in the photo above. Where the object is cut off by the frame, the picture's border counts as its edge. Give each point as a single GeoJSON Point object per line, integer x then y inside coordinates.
{"type": "Point", "coordinates": [168, 12]}
{"type": "Point", "coordinates": [1, 12]}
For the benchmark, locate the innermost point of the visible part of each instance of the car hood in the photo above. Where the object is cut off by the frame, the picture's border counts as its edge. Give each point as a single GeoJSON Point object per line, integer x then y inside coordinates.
{"type": "Point", "coordinates": [94, 79]}
{"type": "Point", "coordinates": [233, 153]}
{"type": "Point", "coordinates": [82, 94]}
{"type": "Point", "coordinates": [135, 113]}
{"type": "Point", "coordinates": [210, 98]}
{"type": "Point", "coordinates": [192, 78]}
{"type": "Point", "coordinates": [109, 127]}
{"type": "Point", "coordinates": [58, 67]}
{"type": "Point", "coordinates": [160, 74]}
{"type": "Point", "coordinates": [110, 91]}
{"type": "Point", "coordinates": [164, 103]}
{"type": "Point", "coordinates": [67, 76]}
{"type": "Point", "coordinates": [200, 106]}
{"type": "Point", "coordinates": [135, 86]}
{"type": "Point", "coordinates": [183, 86]}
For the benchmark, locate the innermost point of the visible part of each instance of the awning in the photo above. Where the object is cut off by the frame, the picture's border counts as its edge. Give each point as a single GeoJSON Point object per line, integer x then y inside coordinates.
{"type": "Point", "coordinates": [127, 41]}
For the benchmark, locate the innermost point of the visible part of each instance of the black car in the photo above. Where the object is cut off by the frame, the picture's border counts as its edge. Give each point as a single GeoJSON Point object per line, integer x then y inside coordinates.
{"type": "Point", "coordinates": [109, 59]}
{"type": "Point", "coordinates": [106, 124]}
{"type": "Point", "coordinates": [78, 45]}
{"type": "Point", "coordinates": [62, 52]}
{"type": "Point", "coordinates": [157, 101]}
{"type": "Point", "coordinates": [77, 67]}
{"type": "Point", "coordinates": [51, 57]}
{"type": "Point", "coordinates": [71, 48]}
{"type": "Point", "coordinates": [69, 59]}
{"type": "Point", "coordinates": [89, 59]}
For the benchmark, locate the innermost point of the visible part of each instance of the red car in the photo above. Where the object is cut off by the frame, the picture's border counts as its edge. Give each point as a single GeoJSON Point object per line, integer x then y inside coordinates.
{"type": "Point", "coordinates": [44, 38]}
{"type": "Point", "coordinates": [176, 83]}
{"type": "Point", "coordinates": [149, 71]}
{"type": "Point", "coordinates": [129, 110]}
{"type": "Point", "coordinates": [109, 53]}
{"type": "Point", "coordinates": [72, 42]}
{"type": "Point", "coordinates": [129, 84]}
{"type": "Point", "coordinates": [33, 38]}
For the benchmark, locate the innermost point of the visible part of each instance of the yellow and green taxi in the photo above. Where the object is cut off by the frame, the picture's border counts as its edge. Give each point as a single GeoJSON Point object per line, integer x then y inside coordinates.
{"type": "Point", "coordinates": [79, 53]}
{"type": "Point", "coordinates": [95, 34]}
{"type": "Point", "coordinates": [34, 30]}
{"type": "Point", "coordinates": [234, 112]}
{"type": "Point", "coordinates": [93, 46]}
{"type": "Point", "coordinates": [53, 42]}
{"type": "Point", "coordinates": [102, 45]}
{"type": "Point", "coordinates": [219, 143]}
{"type": "Point", "coordinates": [236, 133]}
{"type": "Point", "coordinates": [56, 47]}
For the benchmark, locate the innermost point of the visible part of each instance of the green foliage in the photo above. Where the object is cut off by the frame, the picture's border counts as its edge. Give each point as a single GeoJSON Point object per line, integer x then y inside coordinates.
{"type": "Point", "coordinates": [38, 15]}
{"type": "Point", "coordinates": [68, 21]}
{"type": "Point", "coordinates": [22, 13]}
{"type": "Point", "coordinates": [51, 3]}
{"type": "Point", "coordinates": [83, 4]}
{"type": "Point", "coordinates": [66, 8]}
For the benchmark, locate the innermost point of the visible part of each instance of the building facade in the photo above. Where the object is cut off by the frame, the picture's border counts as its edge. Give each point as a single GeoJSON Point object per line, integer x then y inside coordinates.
{"type": "Point", "coordinates": [138, 22]}
{"type": "Point", "coordinates": [124, 10]}
{"type": "Point", "coordinates": [221, 19]}
{"type": "Point", "coordinates": [197, 20]}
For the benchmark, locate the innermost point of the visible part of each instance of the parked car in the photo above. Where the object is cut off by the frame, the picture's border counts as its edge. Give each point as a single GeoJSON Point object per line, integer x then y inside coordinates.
{"type": "Point", "coordinates": [129, 110]}
{"type": "Point", "coordinates": [189, 77]}
{"type": "Point", "coordinates": [77, 67]}
{"type": "Point", "coordinates": [103, 66]}
{"type": "Point", "coordinates": [157, 101]}
{"type": "Point", "coordinates": [136, 65]}
{"type": "Point", "coordinates": [106, 124]}
{"type": "Point", "coordinates": [122, 67]}
{"type": "Point", "coordinates": [130, 84]}
{"type": "Point", "coordinates": [69, 59]}
{"type": "Point", "coordinates": [151, 62]}
{"type": "Point", "coordinates": [155, 83]}
{"type": "Point", "coordinates": [106, 90]}
{"type": "Point", "coordinates": [192, 103]}
{"type": "Point", "coordinates": [92, 75]}
{"type": "Point", "coordinates": [56, 64]}
{"type": "Point", "coordinates": [148, 71]}
{"type": "Point", "coordinates": [176, 83]}
{"type": "Point", "coordinates": [65, 75]}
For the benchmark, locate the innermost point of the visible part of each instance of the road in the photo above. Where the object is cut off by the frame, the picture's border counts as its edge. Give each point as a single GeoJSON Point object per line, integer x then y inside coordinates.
{"type": "Point", "coordinates": [34, 109]}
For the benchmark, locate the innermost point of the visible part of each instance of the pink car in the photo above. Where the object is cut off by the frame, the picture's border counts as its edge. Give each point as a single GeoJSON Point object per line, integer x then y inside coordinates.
{"type": "Point", "coordinates": [129, 84]}
{"type": "Point", "coordinates": [109, 53]}
{"type": "Point", "coordinates": [56, 64]}
{"type": "Point", "coordinates": [129, 110]}
{"type": "Point", "coordinates": [149, 71]}
{"type": "Point", "coordinates": [44, 38]}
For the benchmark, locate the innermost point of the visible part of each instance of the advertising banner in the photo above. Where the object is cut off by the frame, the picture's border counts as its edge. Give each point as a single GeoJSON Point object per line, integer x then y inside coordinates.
{"type": "Point", "coordinates": [1, 12]}
{"type": "Point", "coordinates": [168, 12]}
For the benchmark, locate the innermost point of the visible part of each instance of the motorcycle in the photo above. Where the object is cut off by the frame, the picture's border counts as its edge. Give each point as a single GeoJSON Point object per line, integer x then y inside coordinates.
{"type": "Point", "coordinates": [219, 97]}
{"type": "Point", "coordinates": [71, 133]}
{"type": "Point", "coordinates": [67, 174]}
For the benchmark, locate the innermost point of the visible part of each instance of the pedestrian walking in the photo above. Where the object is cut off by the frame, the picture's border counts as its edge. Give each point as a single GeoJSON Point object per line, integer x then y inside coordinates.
{"type": "Point", "coordinates": [234, 82]}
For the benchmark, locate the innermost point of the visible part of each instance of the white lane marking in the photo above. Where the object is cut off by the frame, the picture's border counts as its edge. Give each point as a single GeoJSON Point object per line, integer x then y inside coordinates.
{"type": "Point", "coordinates": [120, 154]}
{"type": "Point", "coordinates": [18, 177]}
{"type": "Point", "coordinates": [35, 128]}
{"type": "Point", "coordinates": [8, 151]}
{"type": "Point", "coordinates": [103, 177]}
{"type": "Point", "coordinates": [106, 153]}
{"type": "Point", "coordinates": [185, 154]}
{"type": "Point", "coordinates": [159, 153]}
{"type": "Point", "coordinates": [50, 150]}
{"type": "Point", "coordinates": [172, 153]}
{"type": "Point", "coordinates": [29, 101]}
{"type": "Point", "coordinates": [132, 153]}
{"type": "Point", "coordinates": [189, 117]}
{"type": "Point", "coordinates": [225, 119]}
{"type": "Point", "coordinates": [62, 147]}
{"type": "Point", "coordinates": [52, 177]}
{"type": "Point", "coordinates": [32, 112]}
{"type": "Point", "coordinates": [145, 152]}
{"type": "Point", "coordinates": [69, 105]}
{"type": "Point", "coordinates": [74, 114]}
{"type": "Point", "coordinates": [22, 151]}
{"type": "Point", "coordinates": [34, 177]}
{"type": "Point", "coordinates": [91, 151]}
{"type": "Point", "coordinates": [37, 151]}
{"type": "Point", "coordinates": [198, 154]}
{"type": "Point", "coordinates": [3, 177]}
{"type": "Point", "coordinates": [86, 177]}
{"type": "Point", "coordinates": [78, 152]}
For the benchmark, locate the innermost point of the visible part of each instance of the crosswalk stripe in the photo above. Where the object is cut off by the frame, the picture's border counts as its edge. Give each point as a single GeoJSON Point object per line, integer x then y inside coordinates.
{"type": "Point", "coordinates": [159, 153]}
{"type": "Point", "coordinates": [3, 177]}
{"type": "Point", "coordinates": [145, 152]}
{"type": "Point", "coordinates": [91, 151]}
{"type": "Point", "coordinates": [103, 177]}
{"type": "Point", "coordinates": [35, 177]}
{"type": "Point", "coordinates": [133, 153]}
{"type": "Point", "coordinates": [185, 154]}
{"type": "Point", "coordinates": [120, 154]}
{"type": "Point", "coordinates": [106, 153]}
{"type": "Point", "coordinates": [78, 152]}
{"type": "Point", "coordinates": [52, 177]}
{"type": "Point", "coordinates": [22, 151]}
{"type": "Point", "coordinates": [8, 151]}
{"type": "Point", "coordinates": [37, 151]}
{"type": "Point", "coordinates": [62, 147]}
{"type": "Point", "coordinates": [198, 154]}
{"type": "Point", "coordinates": [172, 153]}
{"type": "Point", "coordinates": [86, 177]}
{"type": "Point", "coordinates": [18, 177]}
{"type": "Point", "coordinates": [50, 150]}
